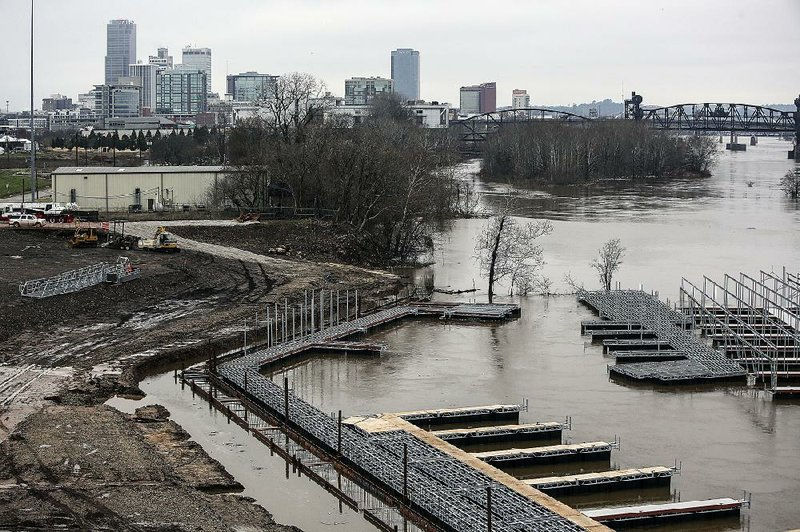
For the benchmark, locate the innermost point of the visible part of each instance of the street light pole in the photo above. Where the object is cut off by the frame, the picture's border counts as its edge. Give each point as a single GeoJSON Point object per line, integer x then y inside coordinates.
{"type": "Point", "coordinates": [34, 194]}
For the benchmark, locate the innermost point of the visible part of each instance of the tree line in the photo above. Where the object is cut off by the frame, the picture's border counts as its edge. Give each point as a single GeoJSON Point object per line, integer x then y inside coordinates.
{"type": "Point", "coordinates": [558, 153]}
{"type": "Point", "coordinates": [385, 180]}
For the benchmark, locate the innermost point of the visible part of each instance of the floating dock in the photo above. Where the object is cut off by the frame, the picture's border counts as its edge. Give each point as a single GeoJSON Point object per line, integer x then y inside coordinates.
{"type": "Point", "coordinates": [667, 511]}
{"type": "Point", "coordinates": [700, 362]}
{"type": "Point", "coordinates": [628, 357]}
{"type": "Point", "coordinates": [574, 452]}
{"type": "Point", "coordinates": [786, 392]}
{"type": "Point", "coordinates": [645, 477]}
{"type": "Point", "coordinates": [475, 414]}
{"type": "Point", "coordinates": [446, 485]}
{"type": "Point", "coordinates": [502, 433]}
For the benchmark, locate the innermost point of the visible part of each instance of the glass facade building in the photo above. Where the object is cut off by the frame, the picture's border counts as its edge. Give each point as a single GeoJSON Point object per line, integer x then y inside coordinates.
{"type": "Point", "coordinates": [405, 73]}
{"type": "Point", "coordinates": [181, 92]}
{"type": "Point", "coordinates": [120, 49]}
{"type": "Point", "coordinates": [198, 59]}
{"type": "Point", "coordinates": [146, 74]}
{"type": "Point", "coordinates": [250, 86]}
{"type": "Point", "coordinates": [361, 91]}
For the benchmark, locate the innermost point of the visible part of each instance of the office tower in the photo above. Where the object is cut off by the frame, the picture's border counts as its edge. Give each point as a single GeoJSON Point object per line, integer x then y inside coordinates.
{"type": "Point", "coordinates": [520, 99]}
{"type": "Point", "coordinates": [361, 91]}
{"type": "Point", "coordinates": [405, 73]}
{"type": "Point", "coordinates": [180, 91]}
{"type": "Point", "coordinates": [120, 49]}
{"type": "Point", "coordinates": [250, 86]}
{"type": "Point", "coordinates": [198, 59]}
{"type": "Point", "coordinates": [476, 99]}
{"type": "Point", "coordinates": [146, 73]}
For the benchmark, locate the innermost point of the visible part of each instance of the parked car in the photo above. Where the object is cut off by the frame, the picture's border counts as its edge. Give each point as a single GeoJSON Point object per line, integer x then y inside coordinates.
{"type": "Point", "coordinates": [25, 220]}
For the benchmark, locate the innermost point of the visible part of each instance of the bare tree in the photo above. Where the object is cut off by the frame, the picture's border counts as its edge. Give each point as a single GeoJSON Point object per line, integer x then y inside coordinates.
{"type": "Point", "coordinates": [790, 183]}
{"type": "Point", "coordinates": [608, 261]}
{"type": "Point", "coordinates": [507, 248]}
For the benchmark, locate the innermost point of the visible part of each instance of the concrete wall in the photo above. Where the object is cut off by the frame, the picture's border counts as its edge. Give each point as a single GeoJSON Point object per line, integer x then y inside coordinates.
{"type": "Point", "coordinates": [116, 190]}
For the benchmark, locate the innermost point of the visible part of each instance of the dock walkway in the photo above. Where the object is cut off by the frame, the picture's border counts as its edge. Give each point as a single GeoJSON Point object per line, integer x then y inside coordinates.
{"type": "Point", "coordinates": [452, 493]}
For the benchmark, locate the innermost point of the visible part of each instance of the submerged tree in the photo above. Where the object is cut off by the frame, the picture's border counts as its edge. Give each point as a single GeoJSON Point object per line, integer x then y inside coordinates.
{"type": "Point", "coordinates": [507, 249]}
{"type": "Point", "coordinates": [608, 261]}
{"type": "Point", "coordinates": [790, 183]}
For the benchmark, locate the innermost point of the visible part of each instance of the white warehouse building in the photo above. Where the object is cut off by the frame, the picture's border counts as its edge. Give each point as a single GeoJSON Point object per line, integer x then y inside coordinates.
{"type": "Point", "coordinates": [146, 188]}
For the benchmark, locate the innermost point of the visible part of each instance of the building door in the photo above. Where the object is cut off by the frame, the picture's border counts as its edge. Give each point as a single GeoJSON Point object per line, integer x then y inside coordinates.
{"type": "Point", "coordinates": [150, 204]}
{"type": "Point", "coordinates": [137, 196]}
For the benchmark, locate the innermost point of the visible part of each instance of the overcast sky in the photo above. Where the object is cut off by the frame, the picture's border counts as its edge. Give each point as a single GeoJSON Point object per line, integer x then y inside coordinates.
{"type": "Point", "coordinates": [561, 51]}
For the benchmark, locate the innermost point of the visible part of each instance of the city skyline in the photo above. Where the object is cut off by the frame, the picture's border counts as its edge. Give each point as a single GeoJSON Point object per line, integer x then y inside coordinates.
{"type": "Point", "coordinates": [659, 51]}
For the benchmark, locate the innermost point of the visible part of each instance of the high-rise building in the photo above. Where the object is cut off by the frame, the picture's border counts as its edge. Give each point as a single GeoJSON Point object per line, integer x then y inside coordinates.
{"type": "Point", "coordinates": [56, 102]}
{"type": "Point", "coordinates": [481, 98]}
{"type": "Point", "coordinates": [146, 73]}
{"type": "Point", "coordinates": [405, 73]}
{"type": "Point", "coordinates": [180, 91]}
{"type": "Point", "coordinates": [361, 91]}
{"type": "Point", "coordinates": [250, 86]}
{"type": "Point", "coordinates": [162, 59]}
{"type": "Point", "coordinates": [198, 59]}
{"type": "Point", "coordinates": [520, 99]}
{"type": "Point", "coordinates": [117, 100]}
{"type": "Point", "coordinates": [120, 49]}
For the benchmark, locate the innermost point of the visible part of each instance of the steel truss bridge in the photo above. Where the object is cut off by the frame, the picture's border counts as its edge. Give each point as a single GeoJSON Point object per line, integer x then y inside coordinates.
{"type": "Point", "coordinates": [702, 117]}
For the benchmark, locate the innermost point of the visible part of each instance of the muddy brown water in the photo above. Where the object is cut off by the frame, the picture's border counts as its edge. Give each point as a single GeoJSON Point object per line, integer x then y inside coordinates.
{"type": "Point", "coordinates": [727, 438]}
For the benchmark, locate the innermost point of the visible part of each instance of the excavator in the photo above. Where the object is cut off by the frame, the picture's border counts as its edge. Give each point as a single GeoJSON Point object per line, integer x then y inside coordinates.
{"type": "Point", "coordinates": [163, 241]}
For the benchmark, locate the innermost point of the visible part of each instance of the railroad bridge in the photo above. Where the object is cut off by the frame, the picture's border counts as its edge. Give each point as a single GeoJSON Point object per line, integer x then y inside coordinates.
{"type": "Point", "coordinates": [700, 117]}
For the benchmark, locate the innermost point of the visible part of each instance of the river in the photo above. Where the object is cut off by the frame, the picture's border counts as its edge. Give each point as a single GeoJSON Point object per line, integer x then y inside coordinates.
{"type": "Point", "coordinates": [727, 439]}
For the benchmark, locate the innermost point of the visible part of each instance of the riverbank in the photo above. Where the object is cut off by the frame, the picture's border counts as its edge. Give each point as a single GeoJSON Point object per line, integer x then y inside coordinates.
{"type": "Point", "coordinates": [62, 357]}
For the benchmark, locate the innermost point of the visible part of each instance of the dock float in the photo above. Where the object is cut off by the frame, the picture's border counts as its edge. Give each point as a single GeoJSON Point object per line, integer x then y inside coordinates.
{"type": "Point", "coordinates": [446, 416]}
{"type": "Point", "coordinates": [501, 433]}
{"type": "Point", "coordinates": [667, 511]}
{"type": "Point", "coordinates": [589, 451]}
{"type": "Point", "coordinates": [622, 479]}
{"type": "Point", "coordinates": [786, 392]}
{"type": "Point", "coordinates": [621, 334]}
{"type": "Point", "coordinates": [628, 357]}
{"type": "Point", "coordinates": [636, 345]}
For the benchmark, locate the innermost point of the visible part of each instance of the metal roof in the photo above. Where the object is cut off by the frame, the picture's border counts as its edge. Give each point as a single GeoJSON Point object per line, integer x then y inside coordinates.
{"type": "Point", "coordinates": [137, 169]}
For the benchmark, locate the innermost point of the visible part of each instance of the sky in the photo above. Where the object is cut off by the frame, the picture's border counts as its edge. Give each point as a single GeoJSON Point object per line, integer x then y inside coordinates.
{"type": "Point", "coordinates": [561, 51]}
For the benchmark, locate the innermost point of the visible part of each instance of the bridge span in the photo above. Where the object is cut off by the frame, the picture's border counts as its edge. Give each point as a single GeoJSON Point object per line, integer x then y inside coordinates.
{"type": "Point", "coordinates": [741, 118]}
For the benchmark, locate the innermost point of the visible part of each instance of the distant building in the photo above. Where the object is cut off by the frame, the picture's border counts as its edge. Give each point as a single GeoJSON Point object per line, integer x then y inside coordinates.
{"type": "Point", "coordinates": [477, 99]}
{"type": "Point", "coordinates": [147, 74]}
{"type": "Point", "coordinates": [250, 86]}
{"type": "Point", "coordinates": [361, 91]}
{"type": "Point", "coordinates": [86, 100]}
{"type": "Point", "coordinates": [181, 92]}
{"type": "Point", "coordinates": [71, 118]}
{"type": "Point", "coordinates": [198, 59]}
{"type": "Point", "coordinates": [117, 100]}
{"type": "Point", "coordinates": [405, 73]}
{"type": "Point", "coordinates": [162, 59]}
{"type": "Point", "coordinates": [520, 99]}
{"type": "Point", "coordinates": [427, 115]}
{"type": "Point", "coordinates": [56, 102]}
{"type": "Point", "coordinates": [120, 49]}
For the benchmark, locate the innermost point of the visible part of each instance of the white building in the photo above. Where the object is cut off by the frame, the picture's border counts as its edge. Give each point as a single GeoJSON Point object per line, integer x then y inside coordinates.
{"type": "Point", "coordinates": [470, 100]}
{"type": "Point", "coordinates": [148, 187]}
{"type": "Point", "coordinates": [162, 60]}
{"type": "Point", "coordinates": [520, 99]}
{"type": "Point", "coordinates": [198, 59]}
{"type": "Point", "coordinates": [427, 115]}
{"type": "Point", "coordinates": [146, 73]}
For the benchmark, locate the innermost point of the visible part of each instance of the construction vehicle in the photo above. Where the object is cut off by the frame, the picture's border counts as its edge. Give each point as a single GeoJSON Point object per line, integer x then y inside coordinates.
{"type": "Point", "coordinates": [117, 239]}
{"type": "Point", "coordinates": [84, 237]}
{"type": "Point", "coordinates": [163, 241]}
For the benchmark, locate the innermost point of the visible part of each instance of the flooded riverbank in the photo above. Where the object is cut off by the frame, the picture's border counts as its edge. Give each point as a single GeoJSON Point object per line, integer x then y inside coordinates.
{"type": "Point", "coordinates": [728, 439]}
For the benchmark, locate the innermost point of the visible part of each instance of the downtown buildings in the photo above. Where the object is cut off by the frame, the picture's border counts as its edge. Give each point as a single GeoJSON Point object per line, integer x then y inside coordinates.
{"type": "Point", "coordinates": [520, 99]}
{"type": "Point", "coordinates": [250, 86]}
{"type": "Point", "coordinates": [361, 91]}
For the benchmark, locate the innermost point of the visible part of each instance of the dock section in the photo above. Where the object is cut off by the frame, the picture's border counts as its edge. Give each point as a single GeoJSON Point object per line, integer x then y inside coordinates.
{"type": "Point", "coordinates": [463, 415]}
{"type": "Point", "coordinates": [502, 433]}
{"type": "Point", "coordinates": [700, 362]}
{"type": "Point", "coordinates": [645, 477]}
{"type": "Point", "coordinates": [667, 511]}
{"type": "Point", "coordinates": [574, 452]}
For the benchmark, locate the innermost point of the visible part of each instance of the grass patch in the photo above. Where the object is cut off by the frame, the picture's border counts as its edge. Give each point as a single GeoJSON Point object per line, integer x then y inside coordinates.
{"type": "Point", "coordinates": [11, 180]}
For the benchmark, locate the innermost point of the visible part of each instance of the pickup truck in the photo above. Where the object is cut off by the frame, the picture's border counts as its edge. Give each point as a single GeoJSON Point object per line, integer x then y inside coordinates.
{"type": "Point", "coordinates": [25, 220]}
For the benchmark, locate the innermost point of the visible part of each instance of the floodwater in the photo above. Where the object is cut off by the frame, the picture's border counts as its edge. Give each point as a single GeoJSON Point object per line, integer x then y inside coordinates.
{"type": "Point", "coordinates": [728, 439]}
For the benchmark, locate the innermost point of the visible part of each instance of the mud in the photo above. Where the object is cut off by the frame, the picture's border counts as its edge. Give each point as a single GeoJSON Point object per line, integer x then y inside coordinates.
{"type": "Point", "coordinates": [66, 460]}
{"type": "Point", "coordinates": [96, 468]}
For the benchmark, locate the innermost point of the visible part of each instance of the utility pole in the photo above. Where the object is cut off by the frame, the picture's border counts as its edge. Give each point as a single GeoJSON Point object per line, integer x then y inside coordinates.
{"type": "Point", "coordinates": [33, 129]}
